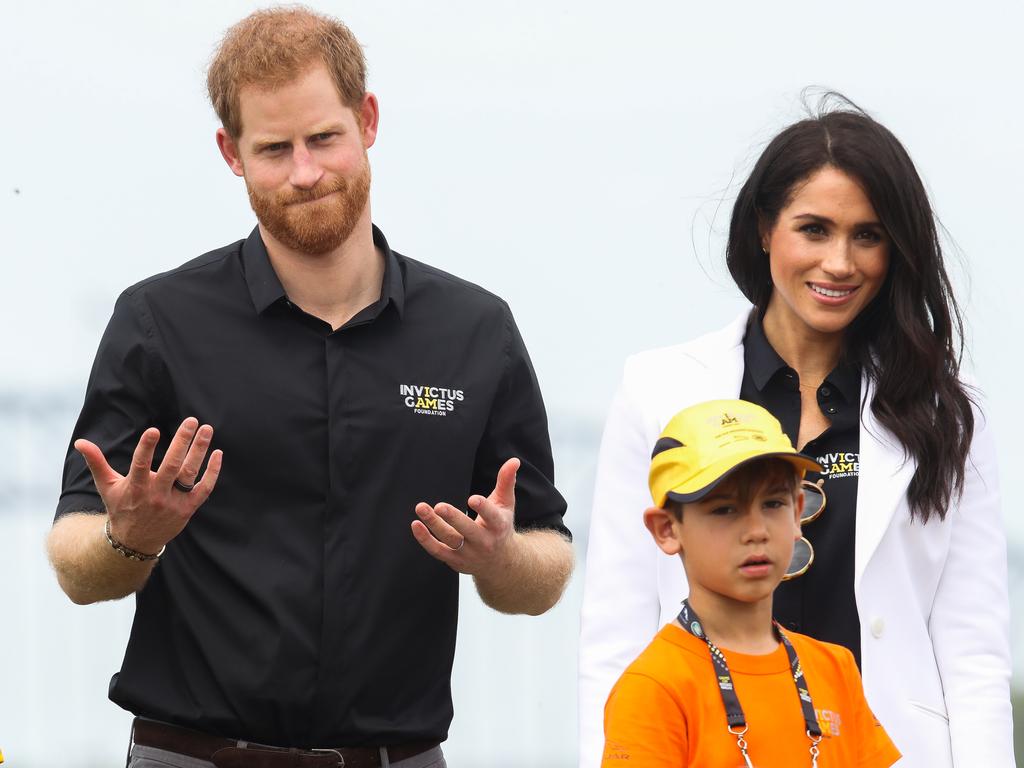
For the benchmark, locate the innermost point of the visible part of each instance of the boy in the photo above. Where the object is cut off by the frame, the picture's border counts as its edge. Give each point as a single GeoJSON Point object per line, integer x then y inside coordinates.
{"type": "Point", "coordinates": [718, 691]}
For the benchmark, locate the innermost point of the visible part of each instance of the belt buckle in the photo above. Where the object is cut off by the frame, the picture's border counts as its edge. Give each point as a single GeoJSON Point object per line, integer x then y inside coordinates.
{"type": "Point", "coordinates": [341, 759]}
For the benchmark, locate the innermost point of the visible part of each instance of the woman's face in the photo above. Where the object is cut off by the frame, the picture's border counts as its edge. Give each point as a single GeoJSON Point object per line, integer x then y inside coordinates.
{"type": "Point", "coordinates": [828, 255]}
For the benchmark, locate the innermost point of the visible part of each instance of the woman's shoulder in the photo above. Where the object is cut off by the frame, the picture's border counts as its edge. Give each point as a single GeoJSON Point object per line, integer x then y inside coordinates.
{"type": "Point", "coordinates": [705, 352]}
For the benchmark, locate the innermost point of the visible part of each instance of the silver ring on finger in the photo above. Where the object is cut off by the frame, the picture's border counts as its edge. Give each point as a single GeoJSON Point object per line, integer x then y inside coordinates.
{"type": "Point", "coordinates": [461, 545]}
{"type": "Point", "coordinates": [183, 487]}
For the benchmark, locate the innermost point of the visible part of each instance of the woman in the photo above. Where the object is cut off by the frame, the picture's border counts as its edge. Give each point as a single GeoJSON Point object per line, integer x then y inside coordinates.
{"type": "Point", "coordinates": [853, 344]}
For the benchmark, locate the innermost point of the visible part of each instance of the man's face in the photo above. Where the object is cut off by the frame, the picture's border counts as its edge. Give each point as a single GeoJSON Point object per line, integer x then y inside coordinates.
{"type": "Point", "coordinates": [303, 155]}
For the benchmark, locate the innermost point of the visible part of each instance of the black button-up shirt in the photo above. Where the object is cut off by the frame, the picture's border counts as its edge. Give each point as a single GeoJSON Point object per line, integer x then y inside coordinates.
{"type": "Point", "coordinates": [820, 603]}
{"type": "Point", "coordinates": [296, 608]}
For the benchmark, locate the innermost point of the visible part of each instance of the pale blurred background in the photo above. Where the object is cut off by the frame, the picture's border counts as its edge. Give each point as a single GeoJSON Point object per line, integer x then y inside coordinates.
{"type": "Point", "coordinates": [577, 157]}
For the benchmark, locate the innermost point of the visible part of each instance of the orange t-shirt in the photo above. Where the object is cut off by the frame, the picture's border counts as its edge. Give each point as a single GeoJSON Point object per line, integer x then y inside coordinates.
{"type": "Point", "coordinates": [667, 710]}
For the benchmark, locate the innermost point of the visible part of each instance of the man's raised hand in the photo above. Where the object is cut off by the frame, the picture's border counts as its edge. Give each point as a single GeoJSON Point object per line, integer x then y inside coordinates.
{"type": "Point", "coordinates": [146, 508]}
{"type": "Point", "coordinates": [477, 547]}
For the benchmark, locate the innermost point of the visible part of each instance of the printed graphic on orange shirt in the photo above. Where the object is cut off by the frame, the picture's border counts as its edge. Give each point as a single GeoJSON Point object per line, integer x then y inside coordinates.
{"type": "Point", "coordinates": [615, 751]}
{"type": "Point", "coordinates": [829, 721]}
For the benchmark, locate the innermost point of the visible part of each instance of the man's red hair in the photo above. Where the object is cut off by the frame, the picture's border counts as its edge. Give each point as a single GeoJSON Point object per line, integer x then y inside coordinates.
{"type": "Point", "coordinates": [272, 47]}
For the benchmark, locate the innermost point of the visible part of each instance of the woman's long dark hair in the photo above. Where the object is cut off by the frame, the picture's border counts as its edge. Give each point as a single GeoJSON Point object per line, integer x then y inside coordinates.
{"type": "Point", "coordinates": [909, 339]}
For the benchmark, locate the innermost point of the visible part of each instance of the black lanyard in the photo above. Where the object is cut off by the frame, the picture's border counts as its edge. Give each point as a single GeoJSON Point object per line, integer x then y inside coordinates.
{"type": "Point", "coordinates": [735, 719]}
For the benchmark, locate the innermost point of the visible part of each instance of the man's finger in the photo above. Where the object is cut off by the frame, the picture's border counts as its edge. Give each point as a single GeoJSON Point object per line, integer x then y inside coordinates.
{"type": "Point", "coordinates": [205, 487]}
{"type": "Point", "coordinates": [176, 451]}
{"type": "Point", "coordinates": [440, 529]}
{"type": "Point", "coordinates": [458, 520]}
{"type": "Point", "coordinates": [504, 493]}
{"type": "Point", "coordinates": [196, 453]}
{"type": "Point", "coordinates": [142, 459]}
{"type": "Point", "coordinates": [434, 547]}
{"type": "Point", "coordinates": [487, 510]}
{"type": "Point", "coordinates": [102, 473]}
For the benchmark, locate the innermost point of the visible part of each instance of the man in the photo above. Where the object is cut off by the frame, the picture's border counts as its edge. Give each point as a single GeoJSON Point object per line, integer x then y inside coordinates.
{"type": "Point", "coordinates": [301, 591]}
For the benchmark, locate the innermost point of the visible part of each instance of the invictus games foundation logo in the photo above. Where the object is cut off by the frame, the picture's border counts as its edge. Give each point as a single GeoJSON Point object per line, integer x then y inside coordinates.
{"type": "Point", "coordinates": [430, 401]}
{"type": "Point", "coordinates": [840, 464]}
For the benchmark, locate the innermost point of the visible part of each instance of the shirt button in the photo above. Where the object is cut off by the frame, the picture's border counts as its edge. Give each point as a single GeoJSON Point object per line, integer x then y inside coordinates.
{"type": "Point", "coordinates": [825, 391]}
{"type": "Point", "coordinates": [877, 626]}
{"type": "Point", "coordinates": [831, 409]}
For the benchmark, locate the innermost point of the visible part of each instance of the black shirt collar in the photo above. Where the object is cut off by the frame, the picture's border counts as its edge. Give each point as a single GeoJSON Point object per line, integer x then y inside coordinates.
{"type": "Point", "coordinates": [759, 356]}
{"type": "Point", "coordinates": [763, 362]}
{"type": "Point", "coordinates": [266, 289]}
{"type": "Point", "coordinates": [393, 287]}
{"type": "Point", "coordinates": [846, 378]}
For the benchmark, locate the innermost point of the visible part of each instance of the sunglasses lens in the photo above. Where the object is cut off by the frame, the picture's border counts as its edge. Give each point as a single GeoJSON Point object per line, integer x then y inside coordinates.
{"type": "Point", "coordinates": [803, 556]}
{"type": "Point", "coordinates": [814, 500]}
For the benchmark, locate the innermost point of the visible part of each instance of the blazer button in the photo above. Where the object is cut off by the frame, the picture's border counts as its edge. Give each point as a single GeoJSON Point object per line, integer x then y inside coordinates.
{"type": "Point", "coordinates": [877, 626]}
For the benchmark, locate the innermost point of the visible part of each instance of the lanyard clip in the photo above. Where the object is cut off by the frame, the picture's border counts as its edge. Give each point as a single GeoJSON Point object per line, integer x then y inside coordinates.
{"type": "Point", "coordinates": [742, 744]}
{"type": "Point", "coordinates": [815, 739]}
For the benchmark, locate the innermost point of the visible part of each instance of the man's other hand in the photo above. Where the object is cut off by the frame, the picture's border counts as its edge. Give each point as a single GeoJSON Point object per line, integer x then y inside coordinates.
{"type": "Point", "coordinates": [479, 546]}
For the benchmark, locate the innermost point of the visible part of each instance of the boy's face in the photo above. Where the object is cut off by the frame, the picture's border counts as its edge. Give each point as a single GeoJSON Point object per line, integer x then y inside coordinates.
{"type": "Point", "coordinates": [736, 542]}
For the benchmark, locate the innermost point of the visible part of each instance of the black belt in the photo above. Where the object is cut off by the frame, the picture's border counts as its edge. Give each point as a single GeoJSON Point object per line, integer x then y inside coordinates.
{"type": "Point", "coordinates": [231, 753]}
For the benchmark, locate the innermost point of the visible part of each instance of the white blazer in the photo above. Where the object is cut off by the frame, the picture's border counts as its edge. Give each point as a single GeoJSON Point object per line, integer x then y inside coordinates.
{"type": "Point", "coordinates": [932, 598]}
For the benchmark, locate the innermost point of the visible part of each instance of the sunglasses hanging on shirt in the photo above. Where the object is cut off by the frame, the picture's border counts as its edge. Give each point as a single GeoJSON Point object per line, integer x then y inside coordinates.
{"type": "Point", "coordinates": [803, 552]}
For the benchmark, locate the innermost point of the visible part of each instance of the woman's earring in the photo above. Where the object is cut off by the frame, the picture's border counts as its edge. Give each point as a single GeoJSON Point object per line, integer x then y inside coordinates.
{"type": "Point", "coordinates": [764, 250]}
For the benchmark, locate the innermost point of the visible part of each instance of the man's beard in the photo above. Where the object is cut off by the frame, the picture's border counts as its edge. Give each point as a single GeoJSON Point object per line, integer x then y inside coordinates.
{"type": "Point", "coordinates": [313, 227]}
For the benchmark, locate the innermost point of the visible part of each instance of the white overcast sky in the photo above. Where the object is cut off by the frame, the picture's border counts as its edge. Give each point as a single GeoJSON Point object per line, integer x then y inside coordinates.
{"type": "Point", "coordinates": [577, 157]}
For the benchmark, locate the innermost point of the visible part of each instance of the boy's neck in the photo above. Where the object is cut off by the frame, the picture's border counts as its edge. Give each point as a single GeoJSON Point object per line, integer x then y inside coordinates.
{"type": "Point", "coordinates": [734, 625]}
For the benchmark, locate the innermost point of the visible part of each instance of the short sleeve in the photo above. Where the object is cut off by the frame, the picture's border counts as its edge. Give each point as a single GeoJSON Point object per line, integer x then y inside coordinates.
{"type": "Point", "coordinates": [119, 403]}
{"type": "Point", "coordinates": [875, 749]}
{"type": "Point", "coordinates": [644, 726]}
{"type": "Point", "coordinates": [518, 427]}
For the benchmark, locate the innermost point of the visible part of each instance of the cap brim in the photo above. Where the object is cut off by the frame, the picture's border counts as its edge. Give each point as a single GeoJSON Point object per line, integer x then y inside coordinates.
{"type": "Point", "coordinates": [799, 460]}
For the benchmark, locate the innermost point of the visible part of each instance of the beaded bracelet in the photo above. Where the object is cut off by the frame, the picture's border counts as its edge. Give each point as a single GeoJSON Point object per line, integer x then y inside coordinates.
{"type": "Point", "coordinates": [124, 551]}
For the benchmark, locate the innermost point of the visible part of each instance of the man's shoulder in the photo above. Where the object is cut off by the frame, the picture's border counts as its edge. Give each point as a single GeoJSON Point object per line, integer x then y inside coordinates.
{"type": "Point", "coordinates": [431, 282]}
{"type": "Point", "coordinates": [198, 268]}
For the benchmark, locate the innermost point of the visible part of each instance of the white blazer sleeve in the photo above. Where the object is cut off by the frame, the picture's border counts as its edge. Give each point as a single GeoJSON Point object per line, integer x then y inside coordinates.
{"type": "Point", "coordinates": [621, 609]}
{"type": "Point", "coordinates": [969, 623]}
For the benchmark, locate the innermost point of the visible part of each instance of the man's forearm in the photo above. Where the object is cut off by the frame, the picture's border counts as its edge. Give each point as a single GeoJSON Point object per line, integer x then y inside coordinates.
{"type": "Point", "coordinates": [88, 569]}
{"type": "Point", "coordinates": [532, 576]}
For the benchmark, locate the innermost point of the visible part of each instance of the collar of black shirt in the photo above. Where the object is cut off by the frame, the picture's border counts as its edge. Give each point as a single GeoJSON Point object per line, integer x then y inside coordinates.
{"type": "Point", "coordinates": [763, 362]}
{"type": "Point", "coordinates": [266, 289]}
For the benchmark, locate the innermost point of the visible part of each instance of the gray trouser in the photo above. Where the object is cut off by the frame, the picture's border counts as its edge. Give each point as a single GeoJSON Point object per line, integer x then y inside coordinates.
{"type": "Point", "coordinates": [151, 757]}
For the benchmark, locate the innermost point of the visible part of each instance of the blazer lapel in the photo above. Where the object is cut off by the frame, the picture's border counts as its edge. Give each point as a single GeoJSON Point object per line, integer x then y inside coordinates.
{"type": "Point", "coordinates": [884, 477]}
{"type": "Point", "coordinates": [722, 354]}
{"type": "Point", "coordinates": [728, 374]}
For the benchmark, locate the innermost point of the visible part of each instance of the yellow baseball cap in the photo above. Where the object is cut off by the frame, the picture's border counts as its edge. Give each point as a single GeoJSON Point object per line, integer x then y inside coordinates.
{"type": "Point", "coordinates": [705, 442]}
